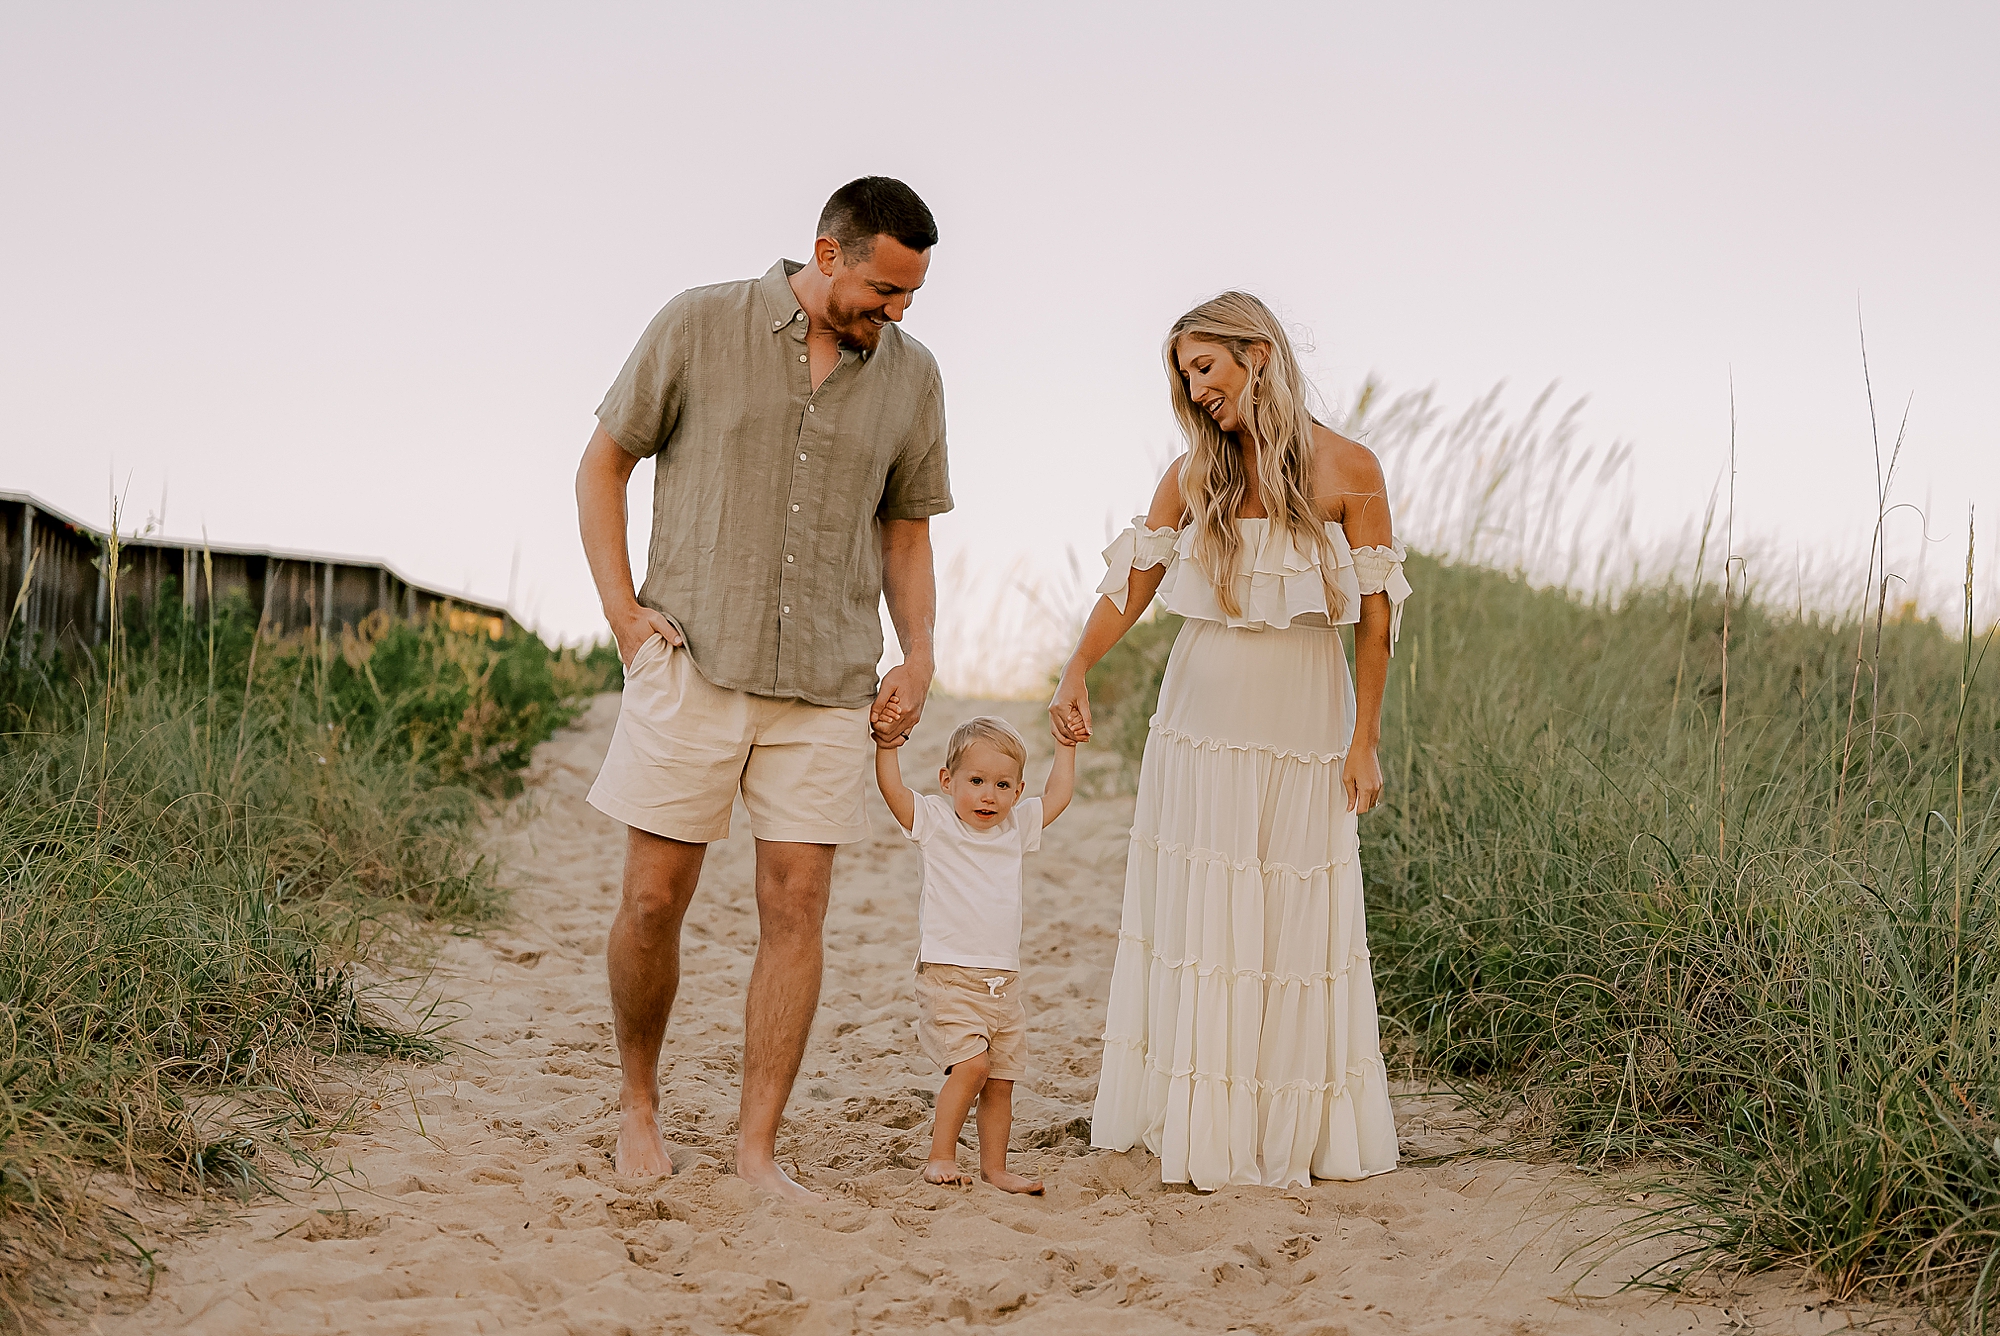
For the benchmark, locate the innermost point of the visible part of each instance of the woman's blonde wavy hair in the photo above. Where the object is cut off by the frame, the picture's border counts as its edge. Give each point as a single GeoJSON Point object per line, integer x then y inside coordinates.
{"type": "Point", "coordinates": [1272, 409]}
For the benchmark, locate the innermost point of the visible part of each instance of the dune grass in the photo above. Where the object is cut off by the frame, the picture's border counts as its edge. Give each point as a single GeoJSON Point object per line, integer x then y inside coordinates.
{"type": "Point", "coordinates": [204, 836]}
{"type": "Point", "coordinates": [1766, 961]}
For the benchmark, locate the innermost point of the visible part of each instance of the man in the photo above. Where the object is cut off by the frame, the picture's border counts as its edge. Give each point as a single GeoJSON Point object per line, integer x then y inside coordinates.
{"type": "Point", "coordinates": [801, 453]}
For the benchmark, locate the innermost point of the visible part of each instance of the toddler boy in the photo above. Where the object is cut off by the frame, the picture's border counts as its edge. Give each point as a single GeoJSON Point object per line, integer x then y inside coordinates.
{"type": "Point", "coordinates": [969, 1016]}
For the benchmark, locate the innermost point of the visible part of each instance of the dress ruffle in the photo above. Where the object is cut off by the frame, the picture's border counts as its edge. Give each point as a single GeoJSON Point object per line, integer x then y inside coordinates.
{"type": "Point", "coordinates": [1240, 1042]}
{"type": "Point", "coordinates": [1137, 549]}
{"type": "Point", "coordinates": [1379, 570]}
{"type": "Point", "coordinates": [1276, 582]}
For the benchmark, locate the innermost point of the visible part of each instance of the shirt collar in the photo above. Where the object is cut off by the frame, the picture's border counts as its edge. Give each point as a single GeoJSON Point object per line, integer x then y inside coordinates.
{"type": "Point", "coordinates": [781, 305]}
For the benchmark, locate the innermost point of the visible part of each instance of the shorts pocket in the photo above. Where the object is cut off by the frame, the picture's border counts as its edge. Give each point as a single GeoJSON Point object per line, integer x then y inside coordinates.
{"type": "Point", "coordinates": [652, 649]}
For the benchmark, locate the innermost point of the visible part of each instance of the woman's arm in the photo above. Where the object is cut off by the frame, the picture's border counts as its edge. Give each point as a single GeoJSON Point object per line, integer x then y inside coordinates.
{"type": "Point", "coordinates": [1361, 775]}
{"type": "Point", "coordinates": [889, 776]}
{"type": "Point", "coordinates": [1069, 708]}
{"type": "Point", "coordinates": [1363, 500]}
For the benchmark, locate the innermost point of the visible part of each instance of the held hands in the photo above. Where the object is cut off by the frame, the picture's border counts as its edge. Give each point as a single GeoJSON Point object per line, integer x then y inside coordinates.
{"type": "Point", "coordinates": [899, 704]}
{"type": "Point", "coordinates": [634, 626]}
{"type": "Point", "coordinates": [1069, 711]}
{"type": "Point", "coordinates": [1361, 776]}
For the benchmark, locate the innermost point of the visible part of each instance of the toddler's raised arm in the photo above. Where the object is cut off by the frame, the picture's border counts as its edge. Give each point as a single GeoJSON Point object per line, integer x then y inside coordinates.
{"type": "Point", "coordinates": [1062, 782]}
{"type": "Point", "coordinates": [889, 775]}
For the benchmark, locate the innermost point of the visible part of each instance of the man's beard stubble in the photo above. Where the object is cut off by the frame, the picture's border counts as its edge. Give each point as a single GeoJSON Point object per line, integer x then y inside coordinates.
{"type": "Point", "coordinates": [850, 329]}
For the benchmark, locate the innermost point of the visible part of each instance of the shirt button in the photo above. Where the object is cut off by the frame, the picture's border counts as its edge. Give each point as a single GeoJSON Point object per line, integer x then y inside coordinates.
{"type": "Point", "coordinates": [788, 607]}
{"type": "Point", "coordinates": [802, 455]}
{"type": "Point", "coordinates": [795, 509]}
{"type": "Point", "coordinates": [802, 357]}
{"type": "Point", "coordinates": [788, 557]}
{"type": "Point", "coordinates": [812, 408]}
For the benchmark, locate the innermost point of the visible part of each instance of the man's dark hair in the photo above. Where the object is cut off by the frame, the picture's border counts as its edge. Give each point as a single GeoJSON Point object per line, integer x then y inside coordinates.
{"type": "Point", "coordinates": [874, 206]}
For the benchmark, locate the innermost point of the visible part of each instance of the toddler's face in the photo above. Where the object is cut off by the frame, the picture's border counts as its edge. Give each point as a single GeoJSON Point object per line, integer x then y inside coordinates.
{"type": "Point", "coordinates": [985, 786]}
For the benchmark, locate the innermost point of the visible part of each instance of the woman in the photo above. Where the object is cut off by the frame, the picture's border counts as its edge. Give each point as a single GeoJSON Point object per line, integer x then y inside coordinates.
{"type": "Point", "coordinates": [1240, 1044]}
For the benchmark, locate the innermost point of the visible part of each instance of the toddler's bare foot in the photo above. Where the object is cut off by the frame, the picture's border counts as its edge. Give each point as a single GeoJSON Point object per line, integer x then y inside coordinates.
{"type": "Point", "coordinates": [641, 1152]}
{"type": "Point", "coordinates": [768, 1176]}
{"type": "Point", "coordinates": [1011, 1182]}
{"type": "Point", "coordinates": [946, 1173]}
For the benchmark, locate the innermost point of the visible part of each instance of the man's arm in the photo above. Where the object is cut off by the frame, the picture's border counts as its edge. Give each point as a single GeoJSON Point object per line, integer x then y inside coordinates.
{"type": "Point", "coordinates": [910, 586]}
{"type": "Point", "coordinates": [1062, 783]}
{"type": "Point", "coordinates": [889, 776]}
{"type": "Point", "coordinates": [601, 480]}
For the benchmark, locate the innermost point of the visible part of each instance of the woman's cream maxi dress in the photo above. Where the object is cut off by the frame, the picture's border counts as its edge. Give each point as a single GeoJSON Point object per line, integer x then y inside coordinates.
{"type": "Point", "coordinates": [1240, 1044]}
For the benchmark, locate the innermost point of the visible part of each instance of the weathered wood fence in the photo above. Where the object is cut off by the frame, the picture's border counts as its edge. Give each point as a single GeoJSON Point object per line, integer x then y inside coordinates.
{"type": "Point", "coordinates": [53, 581]}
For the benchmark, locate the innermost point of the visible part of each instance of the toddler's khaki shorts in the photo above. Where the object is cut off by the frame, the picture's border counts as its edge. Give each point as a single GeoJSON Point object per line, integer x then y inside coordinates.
{"type": "Point", "coordinates": [959, 1016]}
{"type": "Point", "coordinates": [683, 747]}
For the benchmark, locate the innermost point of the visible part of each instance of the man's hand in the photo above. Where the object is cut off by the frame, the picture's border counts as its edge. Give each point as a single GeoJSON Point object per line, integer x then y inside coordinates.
{"type": "Point", "coordinates": [633, 626]}
{"type": "Point", "coordinates": [900, 703]}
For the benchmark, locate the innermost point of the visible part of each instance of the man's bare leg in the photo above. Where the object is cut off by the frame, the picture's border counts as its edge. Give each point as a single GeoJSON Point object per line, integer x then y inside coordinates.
{"type": "Point", "coordinates": [792, 885]}
{"type": "Point", "coordinates": [643, 958]}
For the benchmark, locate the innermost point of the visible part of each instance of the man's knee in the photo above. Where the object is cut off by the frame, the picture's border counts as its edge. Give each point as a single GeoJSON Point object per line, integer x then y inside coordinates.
{"type": "Point", "coordinates": [660, 877]}
{"type": "Point", "coordinates": [792, 890]}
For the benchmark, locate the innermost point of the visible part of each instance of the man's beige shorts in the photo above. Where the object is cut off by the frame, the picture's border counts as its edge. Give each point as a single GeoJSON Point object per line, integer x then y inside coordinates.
{"type": "Point", "coordinates": [959, 1017]}
{"type": "Point", "coordinates": [684, 746]}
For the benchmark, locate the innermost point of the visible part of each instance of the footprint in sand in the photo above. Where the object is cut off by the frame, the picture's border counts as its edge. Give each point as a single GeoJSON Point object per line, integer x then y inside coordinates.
{"type": "Point", "coordinates": [484, 1200]}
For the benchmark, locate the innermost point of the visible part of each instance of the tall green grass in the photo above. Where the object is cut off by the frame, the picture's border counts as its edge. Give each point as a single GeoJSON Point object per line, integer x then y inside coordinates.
{"type": "Point", "coordinates": [205, 838]}
{"type": "Point", "coordinates": [1768, 960]}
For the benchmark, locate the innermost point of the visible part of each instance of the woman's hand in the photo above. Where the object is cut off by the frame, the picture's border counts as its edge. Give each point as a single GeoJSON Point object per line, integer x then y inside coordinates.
{"type": "Point", "coordinates": [1361, 776]}
{"type": "Point", "coordinates": [1069, 710]}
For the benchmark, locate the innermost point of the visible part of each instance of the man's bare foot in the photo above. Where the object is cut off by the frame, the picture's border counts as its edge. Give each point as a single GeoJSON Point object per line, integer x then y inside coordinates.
{"type": "Point", "coordinates": [767, 1175]}
{"type": "Point", "coordinates": [946, 1173]}
{"type": "Point", "coordinates": [1011, 1182]}
{"type": "Point", "coordinates": [641, 1152]}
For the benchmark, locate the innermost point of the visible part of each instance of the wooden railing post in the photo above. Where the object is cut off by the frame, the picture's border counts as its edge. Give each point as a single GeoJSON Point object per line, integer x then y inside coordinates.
{"type": "Point", "coordinates": [28, 566]}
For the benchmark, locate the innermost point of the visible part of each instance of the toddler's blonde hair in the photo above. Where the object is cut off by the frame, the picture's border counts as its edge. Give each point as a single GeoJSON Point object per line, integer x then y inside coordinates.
{"type": "Point", "coordinates": [987, 728]}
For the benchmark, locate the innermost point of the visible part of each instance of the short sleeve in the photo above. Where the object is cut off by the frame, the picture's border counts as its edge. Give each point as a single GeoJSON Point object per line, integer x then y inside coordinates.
{"type": "Point", "coordinates": [1379, 570]}
{"type": "Point", "coordinates": [1137, 549]}
{"type": "Point", "coordinates": [924, 821]}
{"type": "Point", "coordinates": [1029, 814]}
{"type": "Point", "coordinates": [919, 482]}
{"type": "Point", "coordinates": [643, 405]}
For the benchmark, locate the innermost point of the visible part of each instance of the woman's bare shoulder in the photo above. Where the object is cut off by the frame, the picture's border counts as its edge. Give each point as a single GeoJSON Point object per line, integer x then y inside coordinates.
{"type": "Point", "coordinates": [1345, 473]}
{"type": "Point", "coordinates": [1169, 508]}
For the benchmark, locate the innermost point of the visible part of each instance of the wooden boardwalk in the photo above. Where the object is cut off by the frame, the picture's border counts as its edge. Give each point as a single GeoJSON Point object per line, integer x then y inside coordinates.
{"type": "Point", "coordinates": [56, 595]}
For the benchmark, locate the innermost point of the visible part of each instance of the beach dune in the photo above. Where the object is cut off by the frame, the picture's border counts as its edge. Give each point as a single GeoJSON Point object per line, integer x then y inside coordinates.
{"type": "Point", "coordinates": [481, 1197]}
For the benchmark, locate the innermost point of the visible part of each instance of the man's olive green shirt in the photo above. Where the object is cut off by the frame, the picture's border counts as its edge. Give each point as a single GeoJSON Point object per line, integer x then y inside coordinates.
{"type": "Point", "coordinates": [769, 496]}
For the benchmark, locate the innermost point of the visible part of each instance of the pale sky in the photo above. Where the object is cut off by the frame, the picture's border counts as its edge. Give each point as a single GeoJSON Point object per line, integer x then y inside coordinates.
{"type": "Point", "coordinates": [354, 278]}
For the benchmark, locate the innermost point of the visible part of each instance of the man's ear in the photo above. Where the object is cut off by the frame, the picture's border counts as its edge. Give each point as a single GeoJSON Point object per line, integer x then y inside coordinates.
{"type": "Point", "coordinates": [826, 253]}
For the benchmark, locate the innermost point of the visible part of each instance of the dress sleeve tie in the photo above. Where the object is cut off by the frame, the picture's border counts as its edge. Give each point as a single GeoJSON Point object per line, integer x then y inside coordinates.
{"type": "Point", "coordinates": [1137, 549]}
{"type": "Point", "coordinates": [1379, 570]}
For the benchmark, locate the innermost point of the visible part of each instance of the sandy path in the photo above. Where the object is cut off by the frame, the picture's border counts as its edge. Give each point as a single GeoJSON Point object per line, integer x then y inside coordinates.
{"type": "Point", "coordinates": [484, 1200]}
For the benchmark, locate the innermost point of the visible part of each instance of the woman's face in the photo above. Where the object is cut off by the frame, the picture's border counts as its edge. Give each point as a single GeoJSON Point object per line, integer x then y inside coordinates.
{"type": "Point", "coordinates": [1214, 379]}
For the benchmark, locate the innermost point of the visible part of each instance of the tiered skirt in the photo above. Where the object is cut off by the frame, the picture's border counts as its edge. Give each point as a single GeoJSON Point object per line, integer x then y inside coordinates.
{"type": "Point", "coordinates": [1241, 1043]}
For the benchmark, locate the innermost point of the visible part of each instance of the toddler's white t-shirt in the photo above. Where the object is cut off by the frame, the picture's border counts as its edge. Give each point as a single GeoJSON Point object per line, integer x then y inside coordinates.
{"type": "Point", "coordinates": [970, 910]}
